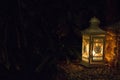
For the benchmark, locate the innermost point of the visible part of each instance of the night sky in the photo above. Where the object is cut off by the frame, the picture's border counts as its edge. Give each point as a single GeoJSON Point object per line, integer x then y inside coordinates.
{"type": "Point", "coordinates": [34, 30]}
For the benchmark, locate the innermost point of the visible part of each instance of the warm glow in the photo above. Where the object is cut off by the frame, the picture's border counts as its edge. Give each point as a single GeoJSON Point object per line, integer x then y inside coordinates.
{"type": "Point", "coordinates": [110, 47]}
{"type": "Point", "coordinates": [85, 48]}
{"type": "Point", "coordinates": [93, 43]}
{"type": "Point", "coordinates": [97, 51]}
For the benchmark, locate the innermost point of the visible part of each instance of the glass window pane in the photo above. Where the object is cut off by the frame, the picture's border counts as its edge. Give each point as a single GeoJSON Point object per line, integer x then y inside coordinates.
{"type": "Point", "coordinates": [97, 49]}
{"type": "Point", "coordinates": [85, 48]}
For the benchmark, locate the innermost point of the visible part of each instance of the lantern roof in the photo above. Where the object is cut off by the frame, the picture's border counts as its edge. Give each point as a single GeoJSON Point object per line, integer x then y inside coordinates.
{"type": "Point", "coordinates": [94, 27]}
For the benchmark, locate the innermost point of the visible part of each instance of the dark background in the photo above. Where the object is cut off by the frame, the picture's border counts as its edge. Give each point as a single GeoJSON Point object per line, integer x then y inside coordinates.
{"type": "Point", "coordinates": [35, 34]}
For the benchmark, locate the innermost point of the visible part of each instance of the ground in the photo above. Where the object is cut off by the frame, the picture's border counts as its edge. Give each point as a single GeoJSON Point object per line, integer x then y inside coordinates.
{"type": "Point", "coordinates": [73, 71]}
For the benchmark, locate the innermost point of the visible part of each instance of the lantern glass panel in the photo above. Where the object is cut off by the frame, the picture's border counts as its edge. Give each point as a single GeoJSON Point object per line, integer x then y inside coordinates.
{"type": "Point", "coordinates": [85, 48]}
{"type": "Point", "coordinates": [97, 51]}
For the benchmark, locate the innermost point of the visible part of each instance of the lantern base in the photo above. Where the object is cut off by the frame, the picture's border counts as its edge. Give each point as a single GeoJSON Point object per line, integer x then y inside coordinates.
{"type": "Point", "coordinates": [85, 64]}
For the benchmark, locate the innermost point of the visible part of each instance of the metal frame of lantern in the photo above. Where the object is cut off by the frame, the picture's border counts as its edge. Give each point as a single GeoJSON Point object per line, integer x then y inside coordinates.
{"type": "Point", "coordinates": [93, 44]}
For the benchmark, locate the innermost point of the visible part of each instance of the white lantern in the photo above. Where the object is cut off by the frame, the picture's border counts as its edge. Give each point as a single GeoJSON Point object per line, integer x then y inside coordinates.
{"type": "Point", "coordinates": [93, 44]}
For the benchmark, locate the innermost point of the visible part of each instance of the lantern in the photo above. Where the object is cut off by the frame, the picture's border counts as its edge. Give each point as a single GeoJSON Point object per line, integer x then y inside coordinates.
{"type": "Point", "coordinates": [93, 44]}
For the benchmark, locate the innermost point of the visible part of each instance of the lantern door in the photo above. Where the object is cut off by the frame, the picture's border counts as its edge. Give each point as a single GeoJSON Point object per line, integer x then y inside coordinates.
{"type": "Point", "coordinates": [97, 49]}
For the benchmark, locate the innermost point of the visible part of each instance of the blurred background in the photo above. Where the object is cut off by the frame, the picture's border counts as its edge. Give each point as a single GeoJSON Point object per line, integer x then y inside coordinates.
{"type": "Point", "coordinates": [36, 34]}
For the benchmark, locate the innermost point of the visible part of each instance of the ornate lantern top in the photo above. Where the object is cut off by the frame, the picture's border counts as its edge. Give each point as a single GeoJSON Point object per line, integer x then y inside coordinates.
{"type": "Point", "coordinates": [94, 27]}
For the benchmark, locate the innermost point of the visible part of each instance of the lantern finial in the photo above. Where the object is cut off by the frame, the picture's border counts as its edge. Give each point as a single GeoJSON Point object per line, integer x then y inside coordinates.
{"type": "Point", "coordinates": [94, 22]}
